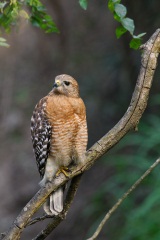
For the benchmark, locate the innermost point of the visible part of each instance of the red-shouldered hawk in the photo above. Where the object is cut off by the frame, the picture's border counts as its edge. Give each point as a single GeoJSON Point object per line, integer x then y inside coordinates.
{"type": "Point", "coordinates": [59, 134]}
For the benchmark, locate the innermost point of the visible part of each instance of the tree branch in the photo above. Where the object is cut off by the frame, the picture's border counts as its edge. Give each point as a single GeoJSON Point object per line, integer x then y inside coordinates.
{"type": "Point", "coordinates": [38, 219]}
{"type": "Point", "coordinates": [129, 121]}
{"type": "Point", "coordinates": [120, 200]}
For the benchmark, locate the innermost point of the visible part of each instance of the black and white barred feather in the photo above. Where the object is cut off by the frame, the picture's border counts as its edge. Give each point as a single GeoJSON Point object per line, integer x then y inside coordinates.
{"type": "Point", "coordinates": [40, 135]}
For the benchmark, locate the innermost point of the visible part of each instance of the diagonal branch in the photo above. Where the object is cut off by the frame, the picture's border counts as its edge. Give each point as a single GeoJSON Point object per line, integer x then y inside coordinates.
{"type": "Point", "coordinates": [129, 121]}
{"type": "Point", "coordinates": [119, 202]}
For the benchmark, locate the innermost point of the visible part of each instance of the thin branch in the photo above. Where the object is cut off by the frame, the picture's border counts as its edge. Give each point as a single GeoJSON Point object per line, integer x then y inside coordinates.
{"type": "Point", "coordinates": [38, 219]}
{"type": "Point", "coordinates": [58, 219]}
{"type": "Point", "coordinates": [120, 200]}
{"type": "Point", "coordinates": [129, 121]}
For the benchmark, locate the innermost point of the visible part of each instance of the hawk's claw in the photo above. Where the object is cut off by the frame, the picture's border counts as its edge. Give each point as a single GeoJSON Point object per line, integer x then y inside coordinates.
{"type": "Point", "coordinates": [63, 170]}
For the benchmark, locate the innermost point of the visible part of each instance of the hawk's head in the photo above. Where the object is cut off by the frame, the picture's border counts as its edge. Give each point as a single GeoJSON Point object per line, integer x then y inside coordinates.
{"type": "Point", "coordinates": [66, 85]}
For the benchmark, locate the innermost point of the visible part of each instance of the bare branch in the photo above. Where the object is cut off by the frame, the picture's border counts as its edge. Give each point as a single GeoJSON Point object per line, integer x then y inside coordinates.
{"type": "Point", "coordinates": [38, 219]}
{"type": "Point", "coordinates": [120, 200]}
{"type": "Point", "coordinates": [129, 121]}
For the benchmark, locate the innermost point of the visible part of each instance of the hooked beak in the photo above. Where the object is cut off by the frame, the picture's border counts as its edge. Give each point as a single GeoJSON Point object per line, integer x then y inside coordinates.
{"type": "Point", "coordinates": [56, 84]}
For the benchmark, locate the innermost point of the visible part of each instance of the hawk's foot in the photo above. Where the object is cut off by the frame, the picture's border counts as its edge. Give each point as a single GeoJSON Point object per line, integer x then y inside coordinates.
{"type": "Point", "coordinates": [64, 170]}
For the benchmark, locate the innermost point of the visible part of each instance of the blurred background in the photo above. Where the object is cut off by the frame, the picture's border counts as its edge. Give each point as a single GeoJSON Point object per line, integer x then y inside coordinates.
{"type": "Point", "coordinates": [106, 69]}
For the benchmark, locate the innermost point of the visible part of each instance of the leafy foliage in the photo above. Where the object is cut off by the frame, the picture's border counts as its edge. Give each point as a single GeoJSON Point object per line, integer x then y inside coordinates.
{"type": "Point", "coordinates": [35, 13]}
{"type": "Point", "coordinates": [127, 24]}
{"type": "Point", "coordinates": [83, 4]}
{"type": "Point", "coordinates": [40, 18]}
{"type": "Point", "coordinates": [10, 13]}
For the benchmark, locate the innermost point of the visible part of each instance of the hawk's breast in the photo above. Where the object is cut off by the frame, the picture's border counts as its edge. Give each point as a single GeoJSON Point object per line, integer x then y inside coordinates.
{"type": "Point", "coordinates": [65, 126]}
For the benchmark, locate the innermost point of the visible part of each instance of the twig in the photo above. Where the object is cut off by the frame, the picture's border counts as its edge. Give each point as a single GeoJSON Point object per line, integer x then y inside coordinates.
{"type": "Point", "coordinates": [118, 203]}
{"type": "Point", "coordinates": [38, 219]}
{"type": "Point", "coordinates": [58, 219]}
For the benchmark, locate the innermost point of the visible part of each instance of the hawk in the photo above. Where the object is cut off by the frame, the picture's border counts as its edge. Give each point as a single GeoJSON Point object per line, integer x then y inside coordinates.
{"type": "Point", "coordinates": [59, 135]}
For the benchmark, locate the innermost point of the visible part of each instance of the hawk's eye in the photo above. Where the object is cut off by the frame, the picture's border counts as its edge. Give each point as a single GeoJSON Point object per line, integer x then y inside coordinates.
{"type": "Point", "coordinates": [66, 83]}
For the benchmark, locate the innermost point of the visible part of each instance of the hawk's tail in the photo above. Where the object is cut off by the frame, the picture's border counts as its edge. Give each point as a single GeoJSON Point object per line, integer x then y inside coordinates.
{"type": "Point", "coordinates": [54, 204]}
{"type": "Point", "coordinates": [57, 198]}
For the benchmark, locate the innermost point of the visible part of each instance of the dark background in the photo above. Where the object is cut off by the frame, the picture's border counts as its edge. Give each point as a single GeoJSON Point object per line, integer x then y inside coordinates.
{"type": "Point", "coordinates": [106, 69]}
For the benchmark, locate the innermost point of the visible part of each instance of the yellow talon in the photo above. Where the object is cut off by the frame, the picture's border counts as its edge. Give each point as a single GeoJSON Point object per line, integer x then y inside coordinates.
{"type": "Point", "coordinates": [63, 170]}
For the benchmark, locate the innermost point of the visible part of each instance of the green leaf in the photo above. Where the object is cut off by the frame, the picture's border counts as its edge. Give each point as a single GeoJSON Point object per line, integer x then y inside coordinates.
{"type": "Point", "coordinates": [128, 24]}
{"type": "Point", "coordinates": [116, 17]}
{"type": "Point", "coordinates": [120, 10]}
{"type": "Point", "coordinates": [13, 2]}
{"type": "Point", "coordinates": [139, 36]}
{"type": "Point", "coordinates": [3, 43]}
{"type": "Point", "coordinates": [2, 39]}
{"type": "Point", "coordinates": [34, 3]}
{"type": "Point", "coordinates": [24, 14]}
{"type": "Point", "coordinates": [43, 21]}
{"type": "Point", "coordinates": [120, 31]}
{"type": "Point", "coordinates": [111, 4]}
{"type": "Point", "coordinates": [116, 1]}
{"type": "Point", "coordinates": [135, 43]}
{"type": "Point", "coordinates": [14, 13]}
{"type": "Point", "coordinates": [83, 4]}
{"type": "Point", "coordinates": [9, 16]}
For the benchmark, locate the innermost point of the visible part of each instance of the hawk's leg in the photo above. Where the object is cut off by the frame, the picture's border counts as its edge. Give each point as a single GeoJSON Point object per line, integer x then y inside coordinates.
{"type": "Point", "coordinates": [50, 171]}
{"type": "Point", "coordinates": [64, 170]}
